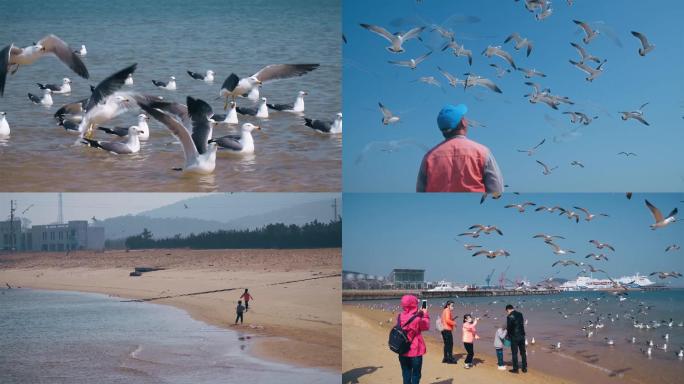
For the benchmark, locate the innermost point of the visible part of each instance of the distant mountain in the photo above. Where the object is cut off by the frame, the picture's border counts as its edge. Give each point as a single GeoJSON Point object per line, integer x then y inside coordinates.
{"type": "Point", "coordinates": [176, 219]}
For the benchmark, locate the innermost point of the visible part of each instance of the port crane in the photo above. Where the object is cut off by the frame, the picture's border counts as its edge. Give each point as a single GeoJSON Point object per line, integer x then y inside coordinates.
{"type": "Point", "coordinates": [488, 279]}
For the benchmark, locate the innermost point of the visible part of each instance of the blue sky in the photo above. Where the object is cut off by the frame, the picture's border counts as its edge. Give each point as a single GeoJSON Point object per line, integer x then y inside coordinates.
{"type": "Point", "coordinates": [628, 81]}
{"type": "Point", "coordinates": [386, 231]}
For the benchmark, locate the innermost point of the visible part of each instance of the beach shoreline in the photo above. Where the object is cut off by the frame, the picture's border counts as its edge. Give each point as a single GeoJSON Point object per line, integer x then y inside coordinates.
{"type": "Point", "coordinates": [294, 317]}
{"type": "Point", "coordinates": [366, 358]}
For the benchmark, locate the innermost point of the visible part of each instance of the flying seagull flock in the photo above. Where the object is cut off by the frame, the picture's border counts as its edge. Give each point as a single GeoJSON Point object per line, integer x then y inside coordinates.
{"type": "Point", "coordinates": [502, 58]}
{"type": "Point", "coordinates": [192, 123]}
{"type": "Point", "coordinates": [598, 251]}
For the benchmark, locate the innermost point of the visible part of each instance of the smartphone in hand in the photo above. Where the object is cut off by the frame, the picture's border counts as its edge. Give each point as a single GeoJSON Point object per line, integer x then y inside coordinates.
{"type": "Point", "coordinates": [424, 304]}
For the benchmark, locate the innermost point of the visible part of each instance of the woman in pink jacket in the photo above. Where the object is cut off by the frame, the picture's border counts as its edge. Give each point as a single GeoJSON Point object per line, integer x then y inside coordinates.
{"type": "Point", "coordinates": [469, 336]}
{"type": "Point", "coordinates": [412, 361]}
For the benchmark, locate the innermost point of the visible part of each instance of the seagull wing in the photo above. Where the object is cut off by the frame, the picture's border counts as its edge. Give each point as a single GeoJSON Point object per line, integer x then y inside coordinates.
{"type": "Point", "coordinates": [480, 253]}
{"type": "Point", "coordinates": [4, 64]}
{"type": "Point", "coordinates": [413, 33]}
{"type": "Point", "coordinates": [536, 86]}
{"type": "Point", "coordinates": [586, 212]}
{"type": "Point", "coordinates": [385, 112]}
{"type": "Point", "coordinates": [587, 29]}
{"type": "Point", "coordinates": [422, 58]}
{"type": "Point", "coordinates": [448, 75]}
{"type": "Point", "coordinates": [175, 126]}
{"type": "Point", "coordinates": [540, 143]}
{"type": "Point", "coordinates": [231, 82]}
{"type": "Point", "coordinates": [379, 30]}
{"type": "Point", "coordinates": [655, 212]}
{"type": "Point", "coordinates": [673, 213]}
{"type": "Point", "coordinates": [59, 48]}
{"type": "Point", "coordinates": [108, 86]}
{"type": "Point", "coordinates": [284, 71]}
{"type": "Point", "coordinates": [199, 111]}
{"type": "Point", "coordinates": [177, 109]}
{"type": "Point", "coordinates": [229, 141]}
{"type": "Point", "coordinates": [400, 63]}
{"type": "Point", "coordinates": [488, 83]}
{"type": "Point", "coordinates": [515, 36]}
{"type": "Point", "coordinates": [506, 56]}
{"type": "Point", "coordinates": [640, 119]}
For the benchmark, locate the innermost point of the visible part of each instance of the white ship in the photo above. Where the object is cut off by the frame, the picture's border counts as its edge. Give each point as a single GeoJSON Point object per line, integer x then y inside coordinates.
{"type": "Point", "coordinates": [589, 283]}
{"type": "Point", "coordinates": [447, 286]}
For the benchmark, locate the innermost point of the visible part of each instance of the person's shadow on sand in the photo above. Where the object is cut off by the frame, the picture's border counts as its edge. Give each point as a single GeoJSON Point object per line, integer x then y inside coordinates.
{"type": "Point", "coordinates": [352, 375]}
{"type": "Point", "coordinates": [447, 381]}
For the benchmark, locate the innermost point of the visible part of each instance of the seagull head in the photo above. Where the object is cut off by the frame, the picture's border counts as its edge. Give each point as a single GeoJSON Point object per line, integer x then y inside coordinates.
{"type": "Point", "coordinates": [210, 72]}
{"type": "Point", "coordinates": [173, 77]}
{"type": "Point", "coordinates": [263, 99]}
{"type": "Point", "coordinates": [47, 91]}
{"type": "Point", "coordinates": [3, 113]}
{"type": "Point", "coordinates": [133, 130]}
{"type": "Point", "coordinates": [249, 127]}
{"type": "Point", "coordinates": [232, 104]}
{"type": "Point", "coordinates": [143, 116]}
{"type": "Point", "coordinates": [303, 93]}
{"type": "Point", "coordinates": [254, 81]}
{"type": "Point", "coordinates": [66, 80]}
{"type": "Point", "coordinates": [339, 115]}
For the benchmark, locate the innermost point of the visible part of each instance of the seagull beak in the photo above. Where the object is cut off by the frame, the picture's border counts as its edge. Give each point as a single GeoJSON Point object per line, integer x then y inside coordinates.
{"type": "Point", "coordinates": [259, 82]}
{"type": "Point", "coordinates": [258, 127]}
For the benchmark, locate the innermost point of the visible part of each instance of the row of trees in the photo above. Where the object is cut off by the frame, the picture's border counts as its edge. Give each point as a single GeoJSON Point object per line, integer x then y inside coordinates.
{"type": "Point", "coordinates": [311, 235]}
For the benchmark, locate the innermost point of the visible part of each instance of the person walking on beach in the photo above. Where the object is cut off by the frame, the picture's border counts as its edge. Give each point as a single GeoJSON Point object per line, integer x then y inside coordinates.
{"type": "Point", "coordinates": [500, 341]}
{"type": "Point", "coordinates": [469, 337]}
{"type": "Point", "coordinates": [412, 361]}
{"type": "Point", "coordinates": [448, 324]}
{"type": "Point", "coordinates": [515, 329]}
{"type": "Point", "coordinates": [458, 164]}
{"type": "Point", "coordinates": [247, 297]}
{"type": "Point", "coordinates": [240, 311]}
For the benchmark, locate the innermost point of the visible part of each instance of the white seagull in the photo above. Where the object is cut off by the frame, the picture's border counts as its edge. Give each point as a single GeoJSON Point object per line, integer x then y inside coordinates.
{"type": "Point", "coordinates": [297, 106]}
{"type": "Point", "coordinates": [208, 77]}
{"type": "Point", "coordinates": [11, 57]}
{"type": "Point", "coordinates": [261, 111]}
{"type": "Point", "coordinates": [558, 250]}
{"type": "Point", "coordinates": [592, 72]}
{"type": "Point", "coordinates": [533, 149]}
{"type": "Point", "coordinates": [168, 85]}
{"type": "Point", "coordinates": [460, 51]}
{"type": "Point", "coordinates": [242, 144]}
{"type": "Point", "coordinates": [520, 42]}
{"type": "Point", "coordinates": [547, 238]}
{"type": "Point", "coordinates": [473, 80]}
{"type": "Point", "coordinates": [200, 154]}
{"type": "Point", "coordinates": [584, 55]}
{"type": "Point", "coordinates": [411, 63]}
{"type": "Point", "coordinates": [497, 51]}
{"type": "Point", "coordinates": [65, 87]}
{"type": "Point", "coordinates": [646, 47]}
{"type": "Point", "coordinates": [387, 116]}
{"type": "Point", "coordinates": [590, 33]}
{"type": "Point", "coordinates": [520, 207]}
{"type": "Point", "coordinates": [590, 216]}
{"type": "Point", "coordinates": [4, 125]}
{"type": "Point", "coordinates": [547, 170]}
{"type": "Point", "coordinates": [46, 100]}
{"type": "Point", "coordinates": [234, 86]}
{"type": "Point", "coordinates": [453, 80]}
{"type": "Point", "coordinates": [660, 221]}
{"type": "Point", "coordinates": [143, 130]}
{"type": "Point", "coordinates": [492, 254]}
{"type": "Point", "coordinates": [325, 126]}
{"type": "Point", "coordinates": [229, 118]}
{"type": "Point", "coordinates": [396, 39]}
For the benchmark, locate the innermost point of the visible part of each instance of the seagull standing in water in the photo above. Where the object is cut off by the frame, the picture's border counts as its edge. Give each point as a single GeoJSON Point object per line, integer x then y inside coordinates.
{"type": "Point", "coordinates": [261, 111]}
{"type": "Point", "coordinates": [326, 126]}
{"type": "Point", "coordinates": [143, 130]}
{"type": "Point", "coordinates": [81, 51]}
{"type": "Point", "coordinates": [11, 57]}
{"type": "Point", "coordinates": [230, 118]}
{"type": "Point", "coordinates": [200, 154]}
{"type": "Point", "coordinates": [46, 100]}
{"type": "Point", "coordinates": [208, 77]}
{"type": "Point", "coordinates": [297, 106]}
{"type": "Point", "coordinates": [4, 126]}
{"type": "Point", "coordinates": [131, 145]}
{"type": "Point", "coordinates": [168, 85]}
{"type": "Point", "coordinates": [242, 144]}
{"type": "Point", "coordinates": [65, 87]}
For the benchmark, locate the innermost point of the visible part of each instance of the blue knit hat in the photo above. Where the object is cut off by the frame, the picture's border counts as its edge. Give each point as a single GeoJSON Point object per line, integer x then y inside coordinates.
{"type": "Point", "coordinates": [450, 116]}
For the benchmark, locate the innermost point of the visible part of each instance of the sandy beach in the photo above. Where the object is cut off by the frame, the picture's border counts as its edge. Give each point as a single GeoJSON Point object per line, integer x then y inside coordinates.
{"type": "Point", "coordinates": [297, 322]}
{"type": "Point", "coordinates": [366, 358]}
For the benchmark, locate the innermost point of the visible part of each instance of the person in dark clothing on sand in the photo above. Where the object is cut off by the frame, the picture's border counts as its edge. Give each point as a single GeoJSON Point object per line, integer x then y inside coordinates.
{"type": "Point", "coordinates": [515, 331]}
{"type": "Point", "coordinates": [239, 310]}
{"type": "Point", "coordinates": [247, 297]}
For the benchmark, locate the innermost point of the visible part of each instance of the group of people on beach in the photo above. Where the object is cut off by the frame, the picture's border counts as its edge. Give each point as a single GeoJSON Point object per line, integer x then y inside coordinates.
{"type": "Point", "coordinates": [511, 334]}
{"type": "Point", "coordinates": [241, 309]}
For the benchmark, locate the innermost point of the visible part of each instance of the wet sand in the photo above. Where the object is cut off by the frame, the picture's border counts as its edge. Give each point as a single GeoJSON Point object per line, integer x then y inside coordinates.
{"type": "Point", "coordinates": [364, 347]}
{"type": "Point", "coordinates": [296, 323]}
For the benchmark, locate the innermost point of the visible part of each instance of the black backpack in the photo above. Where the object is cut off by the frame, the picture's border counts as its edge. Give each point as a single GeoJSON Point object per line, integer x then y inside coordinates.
{"type": "Point", "coordinates": [398, 341]}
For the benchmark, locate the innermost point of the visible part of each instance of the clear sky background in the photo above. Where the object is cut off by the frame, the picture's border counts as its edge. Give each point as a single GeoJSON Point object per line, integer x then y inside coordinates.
{"type": "Point", "coordinates": [386, 231]}
{"type": "Point", "coordinates": [628, 81]}
{"type": "Point", "coordinates": [42, 207]}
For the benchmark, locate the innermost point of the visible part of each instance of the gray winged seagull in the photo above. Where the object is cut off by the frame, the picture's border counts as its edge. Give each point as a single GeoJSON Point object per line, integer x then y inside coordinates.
{"type": "Point", "coordinates": [660, 221]}
{"type": "Point", "coordinates": [520, 42]}
{"type": "Point", "coordinates": [297, 106]}
{"type": "Point", "coordinates": [492, 254]}
{"type": "Point", "coordinates": [131, 145]}
{"type": "Point", "coordinates": [208, 77]}
{"type": "Point", "coordinates": [387, 116]}
{"type": "Point", "coordinates": [235, 86]}
{"type": "Point", "coordinates": [325, 126]}
{"type": "Point", "coordinates": [637, 115]}
{"type": "Point", "coordinates": [453, 80]}
{"type": "Point", "coordinates": [646, 47]}
{"type": "Point", "coordinates": [228, 118]}
{"type": "Point", "coordinates": [473, 80]}
{"type": "Point", "coordinates": [411, 63]}
{"type": "Point", "coordinates": [63, 88]}
{"type": "Point", "coordinates": [533, 149]}
{"type": "Point", "coordinates": [168, 85]}
{"type": "Point", "coordinates": [260, 111]}
{"type": "Point", "coordinates": [46, 100]}
{"type": "Point", "coordinates": [240, 144]}
{"type": "Point", "coordinates": [590, 33]}
{"type": "Point", "coordinates": [547, 170]}
{"type": "Point", "coordinates": [497, 51]}
{"type": "Point", "coordinates": [143, 130]}
{"type": "Point", "coordinates": [584, 55]}
{"type": "Point", "coordinates": [592, 72]}
{"type": "Point", "coordinates": [4, 125]}
{"type": "Point", "coordinates": [11, 57]}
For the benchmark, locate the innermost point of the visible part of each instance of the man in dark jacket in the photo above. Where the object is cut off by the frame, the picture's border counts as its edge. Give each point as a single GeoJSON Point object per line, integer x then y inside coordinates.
{"type": "Point", "coordinates": [515, 327]}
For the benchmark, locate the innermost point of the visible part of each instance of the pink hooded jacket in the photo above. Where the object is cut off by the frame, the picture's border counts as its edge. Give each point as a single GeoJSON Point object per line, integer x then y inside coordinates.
{"type": "Point", "coordinates": [414, 329]}
{"type": "Point", "coordinates": [470, 332]}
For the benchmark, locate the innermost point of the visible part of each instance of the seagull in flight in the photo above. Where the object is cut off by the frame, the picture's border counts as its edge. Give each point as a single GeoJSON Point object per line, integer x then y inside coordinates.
{"type": "Point", "coordinates": [584, 55]}
{"type": "Point", "coordinates": [660, 221]}
{"type": "Point", "coordinates": [558, 250]}
{"type": "Point", "coordinates": [473, 80]}
{"type": "Point", "coordinates": [248, 87]}
{"type": "Point", "coordinates": [547, 238]}
{"type": "Point", "coordinates": [486, 229]}
{"type": "Point", "coordinates": [387, 116]}
{"type": "Point", "coordinates": [596, 257]}
{"type": "Point", "coordinates": [520, 207]}
{"type": "Point", "coordinates": [396, 39]}
{"type": "Point", "coordinates": [673, 247]}
{"type": "Point", "coordinates": [453, 80]}
{"type": "Point", "coordinates": [627, 154]}
{"type": "Point", "coordinates": [412, 63]}
{"type": "Point", "coordinates": [459, 51]}
{"type": "Point", "coordinates": [592, 72]}
{"type": "Point", "coordinates": [533, 149]}
{"type": "Point", "coordinates": [575, 162]}
{"type": "Point", "coordinates": [497, 51]}
{"type": "Point", "coordinates": [520, 42]}
{"type": "Point", "coordinates": [646, 47]}
{"type": "Point", "coordinates": [547, 170]}
{"type": "Point", "coordinates": [637, 115]}
{"type": "Point", "coordinates": [665, 275]}
{"type": "Point", "coordinates": [590, 33]}
{"type": "Point", "coordinates": [11, 57]}
{"type": "Point", "coordinates": [601, 245]}
{"type": "Point", "coordinates": [590, 216]}
{"type": "Point", "coordinates": [565, 263]}
{"type": "Point", "coordinates": [492, 254]}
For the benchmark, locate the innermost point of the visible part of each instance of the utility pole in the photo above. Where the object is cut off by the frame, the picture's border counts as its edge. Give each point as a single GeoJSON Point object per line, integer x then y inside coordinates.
{"type": "Point", "coordinates": [60, 213]}
{"type": "Point", "coordinates": [334, 206]}
{"type": "Point", "coordinates": [13, 207]}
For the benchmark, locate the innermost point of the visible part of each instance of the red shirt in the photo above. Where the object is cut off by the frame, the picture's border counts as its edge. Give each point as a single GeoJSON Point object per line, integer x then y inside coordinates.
{"type": "Point", "coordinates": [246, 296]}
{"type": "Point", "coordinates": [456, 165]}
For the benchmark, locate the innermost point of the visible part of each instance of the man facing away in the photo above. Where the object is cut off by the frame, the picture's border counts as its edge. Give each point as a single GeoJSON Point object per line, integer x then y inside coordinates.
{"type": "Point", "coordinates": [458, 164]}
{"type": "Point", "coordinates": [515, 330]}
{"type": "Point", "coordinates": [239, 310]}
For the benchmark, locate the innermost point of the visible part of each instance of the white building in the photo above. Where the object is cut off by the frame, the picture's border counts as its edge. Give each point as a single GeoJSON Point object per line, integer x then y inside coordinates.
{"type": "Point", "coordinates": [52, 237]}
